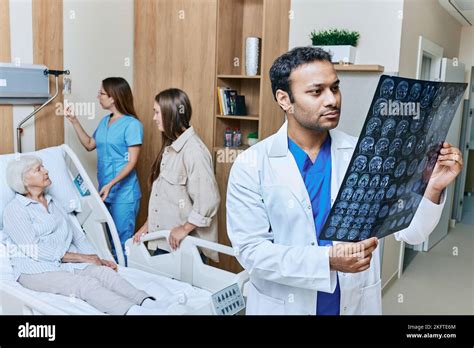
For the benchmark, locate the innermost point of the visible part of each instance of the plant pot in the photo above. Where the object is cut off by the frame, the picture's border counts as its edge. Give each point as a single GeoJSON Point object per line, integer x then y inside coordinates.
{"type": "Point", "coordinates": [345, 54]}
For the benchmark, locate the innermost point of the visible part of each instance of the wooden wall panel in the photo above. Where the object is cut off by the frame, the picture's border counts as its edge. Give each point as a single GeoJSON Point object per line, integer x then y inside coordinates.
{"type": "Point", "coordinates": [6, 111]}
{"type": "Point", "coordinates": [276, 23]}
{"type": "Point", "coordinates": [174, 47]}
{"type": "Point", "coordinates": [48, 50]}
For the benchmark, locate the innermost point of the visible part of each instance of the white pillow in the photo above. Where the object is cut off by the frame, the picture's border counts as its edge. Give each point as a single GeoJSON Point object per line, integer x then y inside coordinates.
{"type": "Point", "coordinates": [62, 188]}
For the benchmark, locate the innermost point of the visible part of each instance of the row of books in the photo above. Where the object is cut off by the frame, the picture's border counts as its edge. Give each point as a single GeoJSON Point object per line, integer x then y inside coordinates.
{"type": "Point", "coordinates": [230, 102]}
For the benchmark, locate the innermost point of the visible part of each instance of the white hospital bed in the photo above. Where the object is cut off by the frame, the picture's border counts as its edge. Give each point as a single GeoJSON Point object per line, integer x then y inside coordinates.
{"type": "Point", "coordinates": [180, 281]}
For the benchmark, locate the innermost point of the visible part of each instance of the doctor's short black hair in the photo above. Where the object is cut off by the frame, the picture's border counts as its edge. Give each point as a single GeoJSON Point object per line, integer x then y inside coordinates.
{"type": "Point", "coordinates": [289, 61]}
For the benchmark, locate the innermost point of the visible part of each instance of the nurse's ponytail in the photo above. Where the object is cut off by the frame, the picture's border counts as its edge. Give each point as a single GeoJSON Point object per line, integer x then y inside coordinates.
{"type": "Point", "coordinates": [119, 89]}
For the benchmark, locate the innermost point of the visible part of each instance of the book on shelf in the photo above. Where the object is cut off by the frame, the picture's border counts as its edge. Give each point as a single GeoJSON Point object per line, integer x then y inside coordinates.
{"type": "Point", "coordinates": [230, 103]}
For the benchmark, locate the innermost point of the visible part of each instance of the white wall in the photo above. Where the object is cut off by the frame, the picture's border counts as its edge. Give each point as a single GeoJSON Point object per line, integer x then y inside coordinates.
{"type": "Point", "coordinates": [430, 20]}
{"type": "Point", "coordinates": [98, 43]}
{"type": "Point", "coordinates": [378, 22]}
{"type": "Point", "coordinates": [21, 38]}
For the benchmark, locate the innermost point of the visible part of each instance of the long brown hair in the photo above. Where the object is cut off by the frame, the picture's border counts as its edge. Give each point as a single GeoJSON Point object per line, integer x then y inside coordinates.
{"type": "Point", "coordinates": [119, 89]}
{"type": "Point", "coordinates": [176, 113]}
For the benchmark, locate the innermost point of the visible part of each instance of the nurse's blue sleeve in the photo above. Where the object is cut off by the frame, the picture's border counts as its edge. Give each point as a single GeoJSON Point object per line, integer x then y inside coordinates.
{"type": "Point", "coordinates": [134, 133]}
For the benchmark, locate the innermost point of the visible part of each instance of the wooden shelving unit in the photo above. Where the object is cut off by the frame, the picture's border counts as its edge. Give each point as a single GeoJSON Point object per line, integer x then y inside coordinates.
{"type": "Point", "coordinates": [237, 20]}
{"type": "Point", "coordinates": [359, 67]}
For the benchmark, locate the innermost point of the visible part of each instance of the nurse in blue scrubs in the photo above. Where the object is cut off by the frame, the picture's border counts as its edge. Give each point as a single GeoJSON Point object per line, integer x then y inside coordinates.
{"type": "Point", "coordinates": [118, 140]}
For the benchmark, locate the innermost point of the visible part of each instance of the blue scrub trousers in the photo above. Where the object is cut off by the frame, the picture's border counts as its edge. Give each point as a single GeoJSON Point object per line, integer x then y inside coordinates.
{"type": "Point", "coordinates": [124, 215]}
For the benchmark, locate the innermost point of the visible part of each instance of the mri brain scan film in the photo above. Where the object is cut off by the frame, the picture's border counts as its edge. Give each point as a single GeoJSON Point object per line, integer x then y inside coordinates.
{"type": "Point", "coordinates": [406, 125]}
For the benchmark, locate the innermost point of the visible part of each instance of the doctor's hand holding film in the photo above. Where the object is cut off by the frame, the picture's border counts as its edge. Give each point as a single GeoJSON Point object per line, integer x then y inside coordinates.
{"type": "Point", "coordinates": [352, 257]}
{"type": "Point", "coordinates": [447, 168]}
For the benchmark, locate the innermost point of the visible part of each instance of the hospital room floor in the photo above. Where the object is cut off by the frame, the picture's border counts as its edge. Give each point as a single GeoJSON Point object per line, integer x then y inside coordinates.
{"type": "Point", "coordinates": [438, 282]}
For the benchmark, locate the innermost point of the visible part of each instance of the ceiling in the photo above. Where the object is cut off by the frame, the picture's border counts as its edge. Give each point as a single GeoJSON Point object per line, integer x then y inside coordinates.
{"type": "Point", "coordinates": [462, 10]}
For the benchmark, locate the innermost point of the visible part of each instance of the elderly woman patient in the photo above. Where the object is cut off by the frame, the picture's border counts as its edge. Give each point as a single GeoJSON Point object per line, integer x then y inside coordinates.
{"type": "Point", "coordinates": [55, 256]}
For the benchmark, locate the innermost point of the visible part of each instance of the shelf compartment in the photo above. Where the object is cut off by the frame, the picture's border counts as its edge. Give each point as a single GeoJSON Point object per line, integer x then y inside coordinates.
{"type": "Point", "coordinates": [245, 126]}
{"type": "Point", "coordinates": [250, 88]}
{"type": "Point", "coordinates": [237, 20]}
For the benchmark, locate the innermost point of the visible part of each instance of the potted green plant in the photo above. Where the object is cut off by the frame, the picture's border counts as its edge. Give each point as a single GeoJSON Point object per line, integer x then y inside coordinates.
{"type": "Point", "coordinates": [341, 43]}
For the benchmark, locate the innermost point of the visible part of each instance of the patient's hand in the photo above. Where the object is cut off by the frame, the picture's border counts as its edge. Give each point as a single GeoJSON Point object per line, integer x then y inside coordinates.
{"type": "Point", "coordinates": [94, 259]}
{"type": "Point", "coordinates": [110, 264]}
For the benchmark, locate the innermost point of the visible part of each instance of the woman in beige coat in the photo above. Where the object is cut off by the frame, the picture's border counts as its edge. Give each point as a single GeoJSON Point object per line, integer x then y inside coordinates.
{"type": "Point", "coordinates": [184, 194]}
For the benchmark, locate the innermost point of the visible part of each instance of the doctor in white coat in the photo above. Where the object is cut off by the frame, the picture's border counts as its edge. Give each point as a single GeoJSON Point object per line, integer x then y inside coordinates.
{"type": "Point", "coordinates": [270, 218]}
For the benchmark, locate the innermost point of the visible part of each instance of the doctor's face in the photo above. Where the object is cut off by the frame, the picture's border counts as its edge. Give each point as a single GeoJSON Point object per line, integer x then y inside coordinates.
{"type": "Point", "coordinates": [158, 118]}
{"type": "Point", "coordinates": [316, 96]}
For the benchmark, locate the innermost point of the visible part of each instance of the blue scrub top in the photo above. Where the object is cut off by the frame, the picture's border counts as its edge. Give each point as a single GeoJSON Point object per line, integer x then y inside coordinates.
{"type": "Point", "coordinates": [317, 179]}
{"type": "Point", "coordinates": [112, 156]}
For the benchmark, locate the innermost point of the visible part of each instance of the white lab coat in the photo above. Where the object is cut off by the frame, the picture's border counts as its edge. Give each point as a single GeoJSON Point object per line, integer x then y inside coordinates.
{"type": "Point", "coordinates": [271, 227]}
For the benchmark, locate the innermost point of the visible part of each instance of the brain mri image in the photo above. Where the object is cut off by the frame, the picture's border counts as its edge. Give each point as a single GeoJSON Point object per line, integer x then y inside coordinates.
{"type": "Point", "coordinates": [401, 189]}
{"type": "Point", "coordinates": [400, 169]}
{"type": "Point", "coordinates": [386, 90]}
{"type": "Point", "coordinates": [347, 193]}
{"type": "Point", "coordinates": [367, 146]}
{"type": "Point", "coordinates": [358, 195]}
{"type": "Point", "coordinates": [385, 181]}
{"type": "Point", "coordinates": [359, 163]}
{"type": "Point", "coordinates": [391, 191]}
{"type": "Point", "coordinates": [369, 195]}
{"type": "Point", "coordinates": [426, 96]}
{"type": "Point", "coordinates": [352, 179]}
{"type": "Point", "coordinates": [395, 147]}
{"type": "Point", "coordinates": [402, 90]}
{"type": "Point", "coordinates": [358, 222]}
{"type": "Point", "coordinates": [340, 208]}
{"type": "Point", "coordinates": [383, 211]}
{"type": "Point", "coordinates": [336, 220]}
{"type": "Point", "coordinates": [409, 145]}
{"type": "Point", "coordinates": [389, 164]}
{"type": "Point", "coordinates": [375, 165]}
{"type": "Point", "coordinates": [379, 195]}
{"type": "Point", "coordinates": [347, 221]}
{"type": "Point", "coordinates": [412, 167]}
{"type": "Point", "coordinates": [364, 180]}
{"type": "Point", "coordinates": [388, 127]}
{"type": "Point", "coordinates": [381, 148]}
{"type": "Point", "coordinates": [409, 186]}
{"type": "Point", "coordinates": [364, 209]}
{"type": "Point", "coordinates": [374, 124]}
{"type": "Point", "coordinates": [393, 159]}
{"type": "Point", "coordinates": [341, 233]}
{"type": "Point", "coordinates": [374, 182]}
{"type": "Point", "coordinates": [420, 146]}
{"type": "Point", "coordinates": [353, 209]}
{"type": "Point", "coordinates": [415, 92]}
{"type": "Point", "coordinates": [331, 231]}
{"type": "Point", "coordinates": [402, 128]}
{"type": "Point", "coordinates": [380, 104]}
{"type": "Point", "coordinates": [415, 126]}
{"type": "Point", "coordinates": [353, 234]}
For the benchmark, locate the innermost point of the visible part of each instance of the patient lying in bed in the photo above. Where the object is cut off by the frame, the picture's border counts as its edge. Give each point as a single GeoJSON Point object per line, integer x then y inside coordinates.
{"type": "Point", "coordinates": [54, 256]}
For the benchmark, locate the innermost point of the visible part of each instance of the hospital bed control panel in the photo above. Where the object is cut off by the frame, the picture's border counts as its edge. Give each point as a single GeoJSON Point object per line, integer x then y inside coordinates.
{"type": "Point", "coordinates": [228, 301]}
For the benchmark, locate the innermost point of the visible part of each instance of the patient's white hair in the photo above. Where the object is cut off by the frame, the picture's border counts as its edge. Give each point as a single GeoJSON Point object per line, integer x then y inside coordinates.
{"type": "Point", "coordinates": [17, 169]}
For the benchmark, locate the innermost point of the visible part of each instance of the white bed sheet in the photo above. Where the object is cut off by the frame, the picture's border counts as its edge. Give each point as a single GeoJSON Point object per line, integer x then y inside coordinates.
{"type": "Point", "coordinates": [168, 292]}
